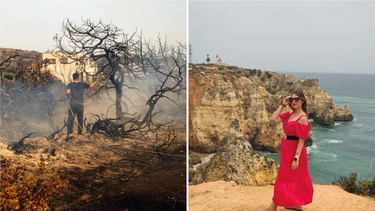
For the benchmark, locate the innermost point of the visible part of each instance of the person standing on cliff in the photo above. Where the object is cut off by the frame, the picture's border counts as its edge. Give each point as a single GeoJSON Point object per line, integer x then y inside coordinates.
{"type": "Point", "coordinates": [75, 91]}
{"type": "Point", "coordinates": [293, 187]}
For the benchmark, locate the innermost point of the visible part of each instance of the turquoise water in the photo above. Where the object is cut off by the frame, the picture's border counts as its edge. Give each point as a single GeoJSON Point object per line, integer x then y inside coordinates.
{"type": "Point", "coordinates": [346, 146]}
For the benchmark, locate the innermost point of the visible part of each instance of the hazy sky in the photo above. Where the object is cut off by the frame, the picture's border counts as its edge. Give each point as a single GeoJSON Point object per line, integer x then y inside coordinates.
{"type": "Point", "coordinates": [285, 36]}
{"type": "Point", "coordinates": [31, 25]}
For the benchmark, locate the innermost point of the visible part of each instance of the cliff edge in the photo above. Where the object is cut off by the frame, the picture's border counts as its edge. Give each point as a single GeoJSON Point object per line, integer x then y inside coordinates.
{"type": "Point", "coordinates": [220, 94]}
{"type": "Point", "coordinates": [230, 112]}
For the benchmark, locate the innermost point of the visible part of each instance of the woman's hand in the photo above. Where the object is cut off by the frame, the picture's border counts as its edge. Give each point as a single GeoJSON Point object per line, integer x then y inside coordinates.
{"type": "Point", "coordinates": [295, 164]}
{"type": "Point", "coordinates": [286, 100]}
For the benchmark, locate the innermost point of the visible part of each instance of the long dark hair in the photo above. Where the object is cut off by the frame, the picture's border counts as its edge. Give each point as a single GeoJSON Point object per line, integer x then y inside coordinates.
{"type": "Point", "coordinates": [301, 95]}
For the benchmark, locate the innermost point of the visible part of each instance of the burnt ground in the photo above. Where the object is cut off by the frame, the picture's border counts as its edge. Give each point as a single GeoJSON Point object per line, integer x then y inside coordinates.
{"type": "Point", "coordinates": [107, 175]}
{"type": "Point", "coordinates": [160, 186]}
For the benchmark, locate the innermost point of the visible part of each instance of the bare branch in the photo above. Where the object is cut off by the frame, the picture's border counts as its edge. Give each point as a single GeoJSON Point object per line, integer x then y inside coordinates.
{"type": "Point", "coordinates": [5, 64]}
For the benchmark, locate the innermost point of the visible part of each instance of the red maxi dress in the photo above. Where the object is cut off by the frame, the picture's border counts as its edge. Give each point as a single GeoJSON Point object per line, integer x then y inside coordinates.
{"type": "Point", "coordinates": [293, 187]}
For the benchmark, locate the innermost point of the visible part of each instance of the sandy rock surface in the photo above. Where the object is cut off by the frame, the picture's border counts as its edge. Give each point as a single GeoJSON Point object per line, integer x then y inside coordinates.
{"type": "Point", "coordinates": [230, 196]}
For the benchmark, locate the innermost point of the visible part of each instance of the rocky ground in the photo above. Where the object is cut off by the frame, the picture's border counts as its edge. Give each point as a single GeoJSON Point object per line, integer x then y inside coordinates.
{"type": "Point", "coordinates": [106, 174]}
{"type": "Point", "coordinates": [230, 196]}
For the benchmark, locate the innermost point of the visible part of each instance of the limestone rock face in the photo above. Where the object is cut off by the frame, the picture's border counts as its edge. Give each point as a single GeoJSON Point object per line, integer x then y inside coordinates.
{"type": "Point", "coordinates": [343, 114]}
{"type": "Point", "coordinates": [216, 100]}
{"type": "Point", "coordinates": [194, 159]}
{"type": "Point", "coordinates": [321, 107]}
{"type": "Point", "coordinates": [219, 95]}
{"type": "Point", "coordinates": [237, 161]}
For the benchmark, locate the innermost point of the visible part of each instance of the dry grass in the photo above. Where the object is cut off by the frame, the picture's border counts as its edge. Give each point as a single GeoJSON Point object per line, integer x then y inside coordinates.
{"type": "Point", "coordinates": [22, 190]}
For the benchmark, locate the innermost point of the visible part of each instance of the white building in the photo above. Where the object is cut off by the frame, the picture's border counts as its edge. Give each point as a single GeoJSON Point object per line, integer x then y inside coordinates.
{"type": "Point", "coordinates": [63, 67]}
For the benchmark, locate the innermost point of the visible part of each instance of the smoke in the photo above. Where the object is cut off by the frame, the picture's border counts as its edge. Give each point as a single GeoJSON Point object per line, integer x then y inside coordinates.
{"type": "Point", "coordinates": [27, 109]}
{"type": "Point", "coordinates": [42, 109]}
{"type": "Point", "coordinates": [136, 93]}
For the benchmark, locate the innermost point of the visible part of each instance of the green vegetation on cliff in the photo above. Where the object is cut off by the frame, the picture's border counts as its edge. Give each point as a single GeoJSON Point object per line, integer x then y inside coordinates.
{"type": "Point", "coordinates": [352, 184]}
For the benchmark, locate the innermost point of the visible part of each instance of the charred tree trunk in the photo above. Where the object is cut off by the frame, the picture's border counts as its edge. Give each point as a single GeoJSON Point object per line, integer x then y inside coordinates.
{"type": "Point", "coordinates": [118, 88]}
{"type": "Point", "coordinates": [119, 55]}
{"type": "Point", "coordinates": [118, 101]}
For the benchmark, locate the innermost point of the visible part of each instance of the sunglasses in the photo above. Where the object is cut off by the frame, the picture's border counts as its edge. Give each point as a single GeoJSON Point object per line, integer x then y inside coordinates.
{"type": "Point", "coordinates": [294, 99]}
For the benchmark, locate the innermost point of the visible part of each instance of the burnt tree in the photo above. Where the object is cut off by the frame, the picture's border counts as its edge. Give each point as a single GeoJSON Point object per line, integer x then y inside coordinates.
{"type": "Point", "coordinates": [106, 44]}
{"type": "Point", "coordinates": [125, 59]}
{"type": "Point", "coordinates": [28, 102]}
{"type": "Point", "coordinates": [4, 64]}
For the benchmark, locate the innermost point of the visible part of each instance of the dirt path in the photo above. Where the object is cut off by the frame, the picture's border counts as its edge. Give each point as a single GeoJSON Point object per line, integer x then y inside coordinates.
{"type": "Point", "coordinates": [229, 196]}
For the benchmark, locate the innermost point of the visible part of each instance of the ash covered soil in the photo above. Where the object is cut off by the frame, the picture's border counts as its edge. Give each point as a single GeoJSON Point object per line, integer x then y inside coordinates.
{"type": "Point", "coordinates": [106, 174]}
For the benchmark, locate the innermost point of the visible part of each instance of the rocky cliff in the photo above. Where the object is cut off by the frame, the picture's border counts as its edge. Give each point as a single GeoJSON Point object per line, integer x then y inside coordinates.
{"type": "Point", "coordinates": [218, 95]}
{"type": "Point", "coordinates": [229, 115]}
{"type": "Point", "coordinates": [236, 161]}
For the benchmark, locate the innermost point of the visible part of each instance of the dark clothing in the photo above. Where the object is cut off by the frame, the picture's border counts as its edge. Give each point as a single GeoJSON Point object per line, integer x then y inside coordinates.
{"type": "Point", "coordinates": [75, 110]}
{"type": "Point", "coordinates": [76, 92]}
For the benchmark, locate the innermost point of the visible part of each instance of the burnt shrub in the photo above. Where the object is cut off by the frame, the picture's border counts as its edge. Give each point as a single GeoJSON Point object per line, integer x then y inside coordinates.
{"type": "Point", "coordinates": [23, 190]}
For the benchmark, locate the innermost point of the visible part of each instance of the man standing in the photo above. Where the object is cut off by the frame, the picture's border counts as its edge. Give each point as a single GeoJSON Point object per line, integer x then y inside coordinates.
{"type": "Point", "coordinates": [75, 91]}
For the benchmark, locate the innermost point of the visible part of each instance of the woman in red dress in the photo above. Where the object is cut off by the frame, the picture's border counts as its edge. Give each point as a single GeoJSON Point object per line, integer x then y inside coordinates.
{"type": "Point", "coordinates": [293, 187]}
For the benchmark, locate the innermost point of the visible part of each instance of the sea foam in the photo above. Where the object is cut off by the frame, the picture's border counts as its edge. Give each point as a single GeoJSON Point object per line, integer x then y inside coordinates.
{"type": "Point", "coordinates": [332, 141]}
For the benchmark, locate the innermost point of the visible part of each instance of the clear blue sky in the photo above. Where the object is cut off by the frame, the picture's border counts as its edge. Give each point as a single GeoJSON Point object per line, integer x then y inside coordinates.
{"type": "Point", "coordinates": [285, 36]}
{"type": "Point", "coordinates": [31, 25]}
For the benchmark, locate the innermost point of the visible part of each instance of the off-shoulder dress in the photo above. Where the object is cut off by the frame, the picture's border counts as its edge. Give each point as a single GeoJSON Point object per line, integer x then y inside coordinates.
{"type": "Point", "coordinates": [293, 187]}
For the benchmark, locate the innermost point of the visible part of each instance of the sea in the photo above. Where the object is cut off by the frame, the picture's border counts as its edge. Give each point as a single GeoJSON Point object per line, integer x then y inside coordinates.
{"type": "Point", "coordinates": [345, 147]}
